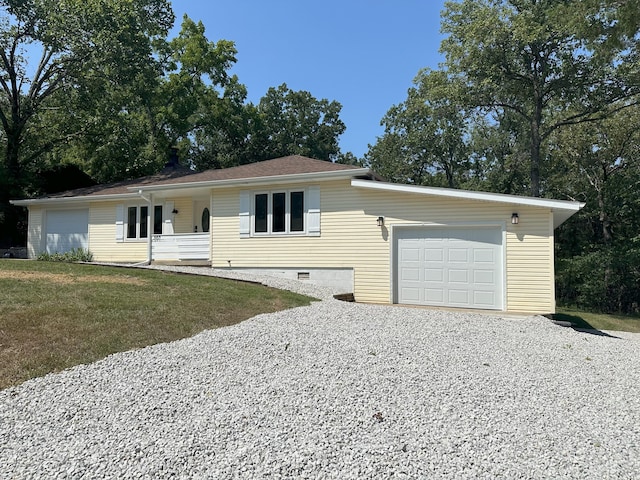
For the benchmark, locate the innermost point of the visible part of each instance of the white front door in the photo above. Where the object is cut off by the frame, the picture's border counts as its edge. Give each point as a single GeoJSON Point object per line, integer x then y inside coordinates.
{"type": "Point", "coordinates": [450, 267]}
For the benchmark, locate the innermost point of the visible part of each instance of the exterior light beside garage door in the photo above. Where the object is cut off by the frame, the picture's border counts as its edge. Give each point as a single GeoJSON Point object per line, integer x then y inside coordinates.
{"type": "Point", "coordinates": [515, 219]}
{"type": "Point", "coordinates": [380, 221]}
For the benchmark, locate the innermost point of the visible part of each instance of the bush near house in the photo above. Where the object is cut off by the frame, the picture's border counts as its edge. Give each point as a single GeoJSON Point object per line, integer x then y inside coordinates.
{"type": "Point", "coordinates": [73, 255]}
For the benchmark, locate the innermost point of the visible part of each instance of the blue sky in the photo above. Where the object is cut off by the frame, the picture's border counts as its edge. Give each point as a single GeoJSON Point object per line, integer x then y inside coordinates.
{"type": "Point", "coordinates": [361, 53]}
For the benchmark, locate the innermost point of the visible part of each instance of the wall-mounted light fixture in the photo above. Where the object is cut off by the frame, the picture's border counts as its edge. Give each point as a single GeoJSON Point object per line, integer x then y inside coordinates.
{"type": "Point", "coordinates": [380, 221]}
{"type": "Point", "coordinates": [174, 211]}
{"type": "Point", "coordinates": [515, 219]}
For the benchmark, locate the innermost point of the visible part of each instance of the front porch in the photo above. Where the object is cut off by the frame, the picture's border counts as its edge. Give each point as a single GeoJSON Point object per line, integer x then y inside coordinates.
{"type": "Point", "coordinates": [185, 237]}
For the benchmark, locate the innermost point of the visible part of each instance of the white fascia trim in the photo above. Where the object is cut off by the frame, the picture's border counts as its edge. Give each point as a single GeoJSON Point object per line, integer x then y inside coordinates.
{"type": "Point", "coordinates": [297, 177]}
{"type": "Point", "coordinates": [66, 200]}
{"type": "Point", "coordinates": [471, 195]}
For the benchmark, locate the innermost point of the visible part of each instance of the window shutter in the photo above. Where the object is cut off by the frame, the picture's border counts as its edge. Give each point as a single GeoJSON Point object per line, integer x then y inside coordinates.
{"type": "Point", "coordinates": [167, 218]}
{"type": "Point", "coordinates": [245, 214]}
{"type": "Point", "coordinates": [119, 223]}
{"type": "Point", "coordinates": [313, 211]}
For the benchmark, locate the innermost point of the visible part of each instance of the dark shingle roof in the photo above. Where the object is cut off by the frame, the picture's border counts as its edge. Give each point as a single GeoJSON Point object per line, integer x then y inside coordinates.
{"type": "Point", "coordinates": [291, 165]}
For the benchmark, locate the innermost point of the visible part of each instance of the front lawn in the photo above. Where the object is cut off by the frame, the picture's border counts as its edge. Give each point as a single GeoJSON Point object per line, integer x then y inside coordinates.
{"type": "Point", "coordinates": [599, 321]}
{"type": "Point", "coordinates": [57, 315]}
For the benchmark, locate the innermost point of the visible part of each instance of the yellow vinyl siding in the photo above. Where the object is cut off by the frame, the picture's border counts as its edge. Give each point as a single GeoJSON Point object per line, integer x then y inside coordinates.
{"type": "Point", "coordinates": [350, 238]}
{"type": "Point", "coordinates": [35, 232]}
{"type": "Point", "coordinates": [182, 221]}
{"type": "Point", "coordinates": [530, 262]}
{"type": "Point", "coordinates": [102, 237]}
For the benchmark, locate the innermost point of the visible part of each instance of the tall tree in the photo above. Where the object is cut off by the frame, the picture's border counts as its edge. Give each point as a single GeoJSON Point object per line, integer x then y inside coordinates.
{"type": "Point", "coordinates": [593, 161]}
{"type": "Point", "coordinates": [190, 94]}
{"type": "Point", "coordinates": [83, 45]}
{"type": "Point", "coordinates": [599, 250]}
{"type": "Point", "coordinates": [224, 140]}
{"type": "Point", "coordinates": [499, 154]}
{"type": "Point", "coordinates": [190, 97]}
{"type": "Point", "coordinates": [295, 122]}
{"type": "Point", "coordinates": [536, 57]}
{"type": "Point", "coordinates": [426, 137]}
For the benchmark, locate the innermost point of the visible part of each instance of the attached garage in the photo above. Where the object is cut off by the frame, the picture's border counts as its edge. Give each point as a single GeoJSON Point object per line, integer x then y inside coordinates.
{"type": "Point", "coordinates": [450, 266]}
{"type": "Point", "coordinates": [66, 230]}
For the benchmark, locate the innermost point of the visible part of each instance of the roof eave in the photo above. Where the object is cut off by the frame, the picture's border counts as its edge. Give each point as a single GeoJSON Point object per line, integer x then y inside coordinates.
{"type": "Point", "coordinates": [70, 200]}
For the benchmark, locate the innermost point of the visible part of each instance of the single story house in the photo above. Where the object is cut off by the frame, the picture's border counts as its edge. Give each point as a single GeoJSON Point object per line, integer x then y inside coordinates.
{"type": "Point", "coordinates": [323, 222]}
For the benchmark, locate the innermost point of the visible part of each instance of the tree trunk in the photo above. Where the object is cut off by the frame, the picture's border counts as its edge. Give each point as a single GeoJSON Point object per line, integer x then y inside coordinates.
{"type": "Point", "coordinates": [12, 165]}
{"type": "Point", "coordinates": [12, 218]}
{"type": "Point", "coordinates": [535, 160]}
{"type": "Point", "coordinates": [607, 235]}
{"type": "Point", "coordinates": [448, 171]}
{"type": "Point", "coordinates": [536, 142]}
{"type": "Point", "coordinates": [536, 124]}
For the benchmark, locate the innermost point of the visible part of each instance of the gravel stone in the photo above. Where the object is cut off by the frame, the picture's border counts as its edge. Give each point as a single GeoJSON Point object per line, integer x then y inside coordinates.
{"type": "Point", "coordinates": [339, 390]}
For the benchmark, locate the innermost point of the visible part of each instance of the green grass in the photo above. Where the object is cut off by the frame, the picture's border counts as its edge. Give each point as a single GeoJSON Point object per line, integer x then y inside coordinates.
{"type": "Point", "coordinates": [599, 321]}
{"type": "Point", "coordinates": [57, 315]}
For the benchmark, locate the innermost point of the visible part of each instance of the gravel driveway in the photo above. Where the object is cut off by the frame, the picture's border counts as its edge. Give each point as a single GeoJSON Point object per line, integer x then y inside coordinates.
{"type": "Point", "coordinates": [339, 390]}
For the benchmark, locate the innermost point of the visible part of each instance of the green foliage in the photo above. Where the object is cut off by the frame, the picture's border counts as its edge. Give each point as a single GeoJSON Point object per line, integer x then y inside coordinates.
{"type": "Point", "coordinates": [598, 256]}
{"type": "Point", "coordinates": [189, 100]}
{"type": "Point", "coordinates": [498, 156]}
{"type": "Point", "coordinates": [88, 48]}
{"type": "Point", "coordinates": [72, 256]}
{"type": "Point", "coordinates": [536, 59]}
{"type": "Point", "coordinates": [349, 159]}
{"type": "Point", "coordinates": [224, 140]}
{"type": "Point", "coordinates": [425, 139]}
{"type": "Point", "coordinates": [189, 92]}
{"type": "Point", "coordinates": [605, 279]}
{"type": "Point", "coordinates": [295, 122]}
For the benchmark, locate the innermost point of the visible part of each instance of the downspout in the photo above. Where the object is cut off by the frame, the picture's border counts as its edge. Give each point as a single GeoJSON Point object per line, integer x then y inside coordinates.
{"type": "Point", "coordinates": [149, 230]}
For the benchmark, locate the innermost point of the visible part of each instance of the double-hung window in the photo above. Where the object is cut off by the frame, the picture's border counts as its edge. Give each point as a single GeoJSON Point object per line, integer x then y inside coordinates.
{"type": "Point", "coordinates": [279, 212]}
{"type": "Point", "coordinates": [137, 218]}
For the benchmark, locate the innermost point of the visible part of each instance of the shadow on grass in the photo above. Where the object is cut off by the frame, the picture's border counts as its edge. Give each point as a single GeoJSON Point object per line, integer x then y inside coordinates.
{"type": "Point", "coordinates": [578, 323]}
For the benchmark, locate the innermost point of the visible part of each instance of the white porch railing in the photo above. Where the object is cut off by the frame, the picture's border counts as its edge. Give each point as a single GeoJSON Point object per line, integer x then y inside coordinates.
{"type": "Point", "coordinates": [181, 246]}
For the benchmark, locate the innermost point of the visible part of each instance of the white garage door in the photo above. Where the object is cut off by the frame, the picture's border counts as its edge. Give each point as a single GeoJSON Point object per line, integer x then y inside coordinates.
{"type": "Point", "coordinates": [67, 229]}
{"type": "Point", "coordinates": [452, 267]}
